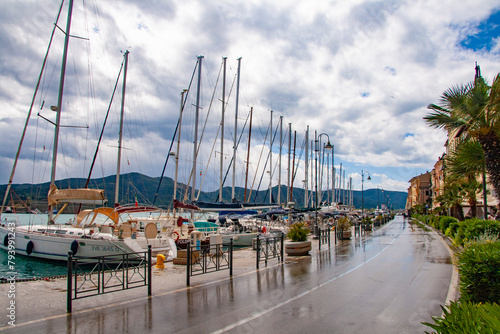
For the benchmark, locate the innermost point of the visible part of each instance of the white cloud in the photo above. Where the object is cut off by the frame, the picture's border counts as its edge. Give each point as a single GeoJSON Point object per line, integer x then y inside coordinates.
{"type": "Point", "coordinates": [363, 72]}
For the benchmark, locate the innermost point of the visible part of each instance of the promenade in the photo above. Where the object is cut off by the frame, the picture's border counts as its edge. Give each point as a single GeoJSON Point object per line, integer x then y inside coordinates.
{"type": "Point", "coordinates": [395, 259]}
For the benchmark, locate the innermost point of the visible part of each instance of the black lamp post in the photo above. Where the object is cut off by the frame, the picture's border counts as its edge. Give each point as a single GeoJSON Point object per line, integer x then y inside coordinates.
{"type": "Point", "coordinates": [362, 192]}
{"type": "Point", "coordinates": [328, 146]}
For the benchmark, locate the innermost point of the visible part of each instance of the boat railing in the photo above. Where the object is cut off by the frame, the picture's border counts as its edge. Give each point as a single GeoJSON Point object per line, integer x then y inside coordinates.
{"type": "Point", "coordinates": [110, 273]}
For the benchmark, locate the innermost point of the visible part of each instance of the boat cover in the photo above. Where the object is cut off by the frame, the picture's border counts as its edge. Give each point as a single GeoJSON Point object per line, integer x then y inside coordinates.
{"type": "Point", "coordinates": [83, 196]}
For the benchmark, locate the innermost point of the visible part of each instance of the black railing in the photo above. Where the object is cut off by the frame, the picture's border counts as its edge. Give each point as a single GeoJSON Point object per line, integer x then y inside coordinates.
{"type": "Point", "coordinates": [105, 274]}
{"type": "Point", "coordinates": [270, 248]}
{"type": "Point", "coordinates": [324, 237]}
{"type": "Point", "coordinates": [203, 259]}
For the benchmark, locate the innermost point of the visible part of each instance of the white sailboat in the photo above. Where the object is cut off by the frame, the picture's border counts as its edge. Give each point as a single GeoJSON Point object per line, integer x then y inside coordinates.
{"type": "Point", "coordinates": [86, 238]}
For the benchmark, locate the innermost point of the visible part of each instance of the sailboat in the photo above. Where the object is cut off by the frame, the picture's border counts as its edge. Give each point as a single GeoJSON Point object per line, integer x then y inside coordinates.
{"type": "Point", "coordinates": [90, 236]}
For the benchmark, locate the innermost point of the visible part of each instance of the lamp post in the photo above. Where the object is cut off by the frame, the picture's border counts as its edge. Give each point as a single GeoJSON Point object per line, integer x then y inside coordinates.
{"type": "Point", "coordinates": [362, 192]}
{"type": "Point", "coordinates": [328, 146]}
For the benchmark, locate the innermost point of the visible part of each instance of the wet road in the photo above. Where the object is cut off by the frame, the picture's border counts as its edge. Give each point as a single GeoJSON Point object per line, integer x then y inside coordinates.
{"type": "Point", "coordinates": [388, 281]}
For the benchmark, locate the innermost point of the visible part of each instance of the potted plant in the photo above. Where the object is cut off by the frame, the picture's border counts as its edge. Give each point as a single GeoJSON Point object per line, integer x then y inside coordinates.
{"type": "Point", "coordinates": [344, 228]}
{"type": "Point", "coordinates": [367, 223]}
{"type": "Point", "coordinates": [299, 245]}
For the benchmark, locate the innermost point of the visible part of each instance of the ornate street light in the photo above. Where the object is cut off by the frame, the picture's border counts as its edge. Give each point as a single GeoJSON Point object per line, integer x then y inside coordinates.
{"type": "Point", "coordinates": [328, 146]}
{"type": "Point", "coordinates": [362, 192]}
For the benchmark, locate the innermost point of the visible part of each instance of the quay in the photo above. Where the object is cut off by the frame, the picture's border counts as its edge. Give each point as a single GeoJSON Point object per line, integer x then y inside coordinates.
{"type": "Point", "coordinates": [389, 280]}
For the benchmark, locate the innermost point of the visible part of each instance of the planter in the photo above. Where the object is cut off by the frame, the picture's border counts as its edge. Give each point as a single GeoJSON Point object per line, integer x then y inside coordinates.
{"type": "Point", "coordinates": [297, 248]}
{"type": "Point", "coordinates": [344, 235]}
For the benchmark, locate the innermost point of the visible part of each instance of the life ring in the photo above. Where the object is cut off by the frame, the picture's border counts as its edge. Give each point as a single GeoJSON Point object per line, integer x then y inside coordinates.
{"type": "Point", "coordinates": [6, 240]}
{"type": "Point", "coordinates": [74, 247]}
{"type": "Point", "coordinates": [175, 233]}
{"type": "Point", "coordinates": [29, 247]}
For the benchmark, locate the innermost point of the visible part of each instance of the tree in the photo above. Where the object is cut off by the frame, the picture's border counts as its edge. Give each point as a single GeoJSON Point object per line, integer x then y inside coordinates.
{"type": "Point", "coordinates": [473, 108]}
{"type": "Point", "coordinates": [464, 166]}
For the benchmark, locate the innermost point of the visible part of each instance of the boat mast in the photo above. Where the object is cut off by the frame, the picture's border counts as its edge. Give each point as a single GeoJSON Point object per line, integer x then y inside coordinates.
{"type": "Point", "coordinates": [233, 199]}
{"type": "Point", "coordinates": [120, 135]}
{"type": "Point", "coordinates": [248, 153]}
{"type": "Point", "coordinates": [289, 157]}
{"type": "Point", "coordinates": [306, 169]}
{"type": "Point", "coordinates": [293, 163]}
{"type": "Point", "coordinates": [200, 59]}
{"type": "Point", "coordinates": [279, 169]}
{"type": "Point", "coordinates": [271, 162]}
{"type": "Point", "coordinates": [222, 127]}
{"type": "Point", "coordinates": [59, 103]}
{"type": "Point", "coordinates": [178, 144]}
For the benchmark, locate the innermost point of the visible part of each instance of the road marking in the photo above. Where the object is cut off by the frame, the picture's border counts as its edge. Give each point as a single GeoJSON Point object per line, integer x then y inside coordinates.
{"type": "Point", "coordinates": [261, 313]}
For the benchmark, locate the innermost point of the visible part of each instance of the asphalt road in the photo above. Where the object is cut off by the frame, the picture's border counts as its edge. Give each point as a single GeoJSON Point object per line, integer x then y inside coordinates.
{"type": "Point", "coordinates": [387, 281]}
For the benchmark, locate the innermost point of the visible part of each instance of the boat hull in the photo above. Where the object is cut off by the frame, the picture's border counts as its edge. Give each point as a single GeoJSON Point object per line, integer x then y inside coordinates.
{"type": "Point", "coordinates": [239, 239]}
{"type": "Point", "coordinates": [52, 247]}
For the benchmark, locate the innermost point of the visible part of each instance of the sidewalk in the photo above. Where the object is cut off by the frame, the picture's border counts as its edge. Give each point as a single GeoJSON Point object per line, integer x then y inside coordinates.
{"type": "Point", "coordinates": [43, 299]}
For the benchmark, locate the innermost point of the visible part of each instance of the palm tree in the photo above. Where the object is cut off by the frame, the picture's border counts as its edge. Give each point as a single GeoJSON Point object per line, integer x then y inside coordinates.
{"type": "Point", "coordinates": [473, 109]}
{"type": "Point", "coordinates": [464, 166]}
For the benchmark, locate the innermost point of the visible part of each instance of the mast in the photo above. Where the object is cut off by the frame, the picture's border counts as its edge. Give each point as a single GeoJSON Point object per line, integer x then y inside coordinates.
{"type": "Point", "coordinates": [248, 153]}
{"type": "Point", "coordinates": [271, 161]}
{"type": "Point", "coordinates": [306, 169]}
{"type": "Point", "coordinates": [178, 144]}
{"type": "Point", "coordinates": [120, 135]}
{"type": "Point", "coordinates": [279, 169]}
{"type": "Point", "coordinates": [222, 127]}
{"type": "Point", "coordinates": [333, 174]}
{"type": "Point", "coordinates": [59, 103]}
{"type": "Point", "coordinates": [293, 164]}
{"type": "Point", "coordinates": [233, 199]}
{"type": "Point", "coordinates": [289, 157]}
{"type": "Point", "coordinates": [200, 59]}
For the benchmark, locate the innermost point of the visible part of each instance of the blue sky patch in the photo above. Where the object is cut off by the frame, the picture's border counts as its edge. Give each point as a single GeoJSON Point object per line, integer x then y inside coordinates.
{"type": "Point", "coordinates": [486, 32]}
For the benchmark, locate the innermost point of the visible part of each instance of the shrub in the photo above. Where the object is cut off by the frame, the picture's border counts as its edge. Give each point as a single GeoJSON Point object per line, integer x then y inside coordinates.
{"type": "Point", "coordinates": [467, 317]}
{"type": "Point", "coordinates": [298, 232]}
{"type": "Point", "coordinates": [479, 266]}
{"type": "Point", "coordinates": [477, 227]}
{"type": "Point", "coordinates": [444, 222]}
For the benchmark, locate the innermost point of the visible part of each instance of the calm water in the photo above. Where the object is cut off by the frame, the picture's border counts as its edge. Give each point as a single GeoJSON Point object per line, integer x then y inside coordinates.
{"type": "Point", "coordinates": [28, 267]}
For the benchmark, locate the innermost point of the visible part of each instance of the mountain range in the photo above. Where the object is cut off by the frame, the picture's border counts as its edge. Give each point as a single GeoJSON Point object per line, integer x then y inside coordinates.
{"type": "Point", "coordinates": [136, 186]}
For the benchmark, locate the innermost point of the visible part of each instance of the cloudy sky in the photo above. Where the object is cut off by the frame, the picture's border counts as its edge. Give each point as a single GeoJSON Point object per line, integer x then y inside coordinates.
{"type": "Point", "coordinates": [361, 72]}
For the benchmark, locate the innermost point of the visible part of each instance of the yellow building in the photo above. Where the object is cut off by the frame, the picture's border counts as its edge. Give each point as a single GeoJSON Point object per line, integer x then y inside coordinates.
{"type": "Point", "coordinates": [419, 191]}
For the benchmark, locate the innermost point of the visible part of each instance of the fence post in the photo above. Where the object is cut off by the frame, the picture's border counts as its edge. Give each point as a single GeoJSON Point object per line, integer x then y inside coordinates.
{"type": "Point", "coordinates": [329, 229]}
{"type": "Point", "coordinates": [258, 250]}
{"type": "Point", "coordinates": [149, 271]}
{"type": "Point", "coordinates": [231, 258]}
{"type": "Point", "coordinates": [282, 251]}
{"type": "Point", "coordinates": [188, 264]}
{"type": "Point", "coordinates": [70, 282]}
{"type": "Point", "coordinates": [320, 238]}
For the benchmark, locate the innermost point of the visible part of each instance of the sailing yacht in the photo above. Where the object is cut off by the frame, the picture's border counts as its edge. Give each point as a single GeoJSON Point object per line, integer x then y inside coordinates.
{"type": "Point", "coordinates": [86, 237]}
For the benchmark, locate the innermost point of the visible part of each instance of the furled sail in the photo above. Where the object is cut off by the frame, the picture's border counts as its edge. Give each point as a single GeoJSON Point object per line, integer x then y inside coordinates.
{"type": "Point", "coordinates": [83, 196]}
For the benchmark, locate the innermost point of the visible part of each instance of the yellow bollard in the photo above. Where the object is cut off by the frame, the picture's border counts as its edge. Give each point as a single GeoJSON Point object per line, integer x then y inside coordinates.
{"type": "Point", "coordinates": [160, 259]}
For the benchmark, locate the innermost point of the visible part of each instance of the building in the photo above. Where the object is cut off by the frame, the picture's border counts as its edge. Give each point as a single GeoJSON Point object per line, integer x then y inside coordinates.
{"type": "Point", "coordinates": [419, 192]}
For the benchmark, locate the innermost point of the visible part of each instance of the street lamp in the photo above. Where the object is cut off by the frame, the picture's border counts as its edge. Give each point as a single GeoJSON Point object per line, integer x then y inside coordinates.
{"type": "Point", "coordinates": [328, 146]}
{"type": "Point", "coordinates": [362, 194]}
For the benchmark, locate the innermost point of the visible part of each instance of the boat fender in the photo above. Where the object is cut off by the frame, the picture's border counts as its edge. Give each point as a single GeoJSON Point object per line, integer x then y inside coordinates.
{"type": "Point", "coordinates": [74, 247]}
{"type": "Point", "coordinates": [6, 240]}
{"type": "Point", "coordinates": [29, 247]}
{"type": "Point", "coordinates": [175, 235]}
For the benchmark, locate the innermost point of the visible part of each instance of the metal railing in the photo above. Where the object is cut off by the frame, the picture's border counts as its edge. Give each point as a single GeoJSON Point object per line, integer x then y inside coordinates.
{"type": "Point", "coordinates": [203, 259]}
{"type": "Point", "coordinates": [94, 276]}
{"type": "Point", "coordinates": [324, 237]}
{"type": "Point", "coordinates": [270, 248]}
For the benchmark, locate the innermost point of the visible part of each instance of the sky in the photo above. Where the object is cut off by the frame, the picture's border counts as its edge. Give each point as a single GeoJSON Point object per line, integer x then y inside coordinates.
{"type": "Point", "coordinates": [359, 74]}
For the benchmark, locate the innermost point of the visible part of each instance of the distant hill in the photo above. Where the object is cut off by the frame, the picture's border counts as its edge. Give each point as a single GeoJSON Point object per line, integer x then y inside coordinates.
{"type": "Point", "coordinates": [142, 187]}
